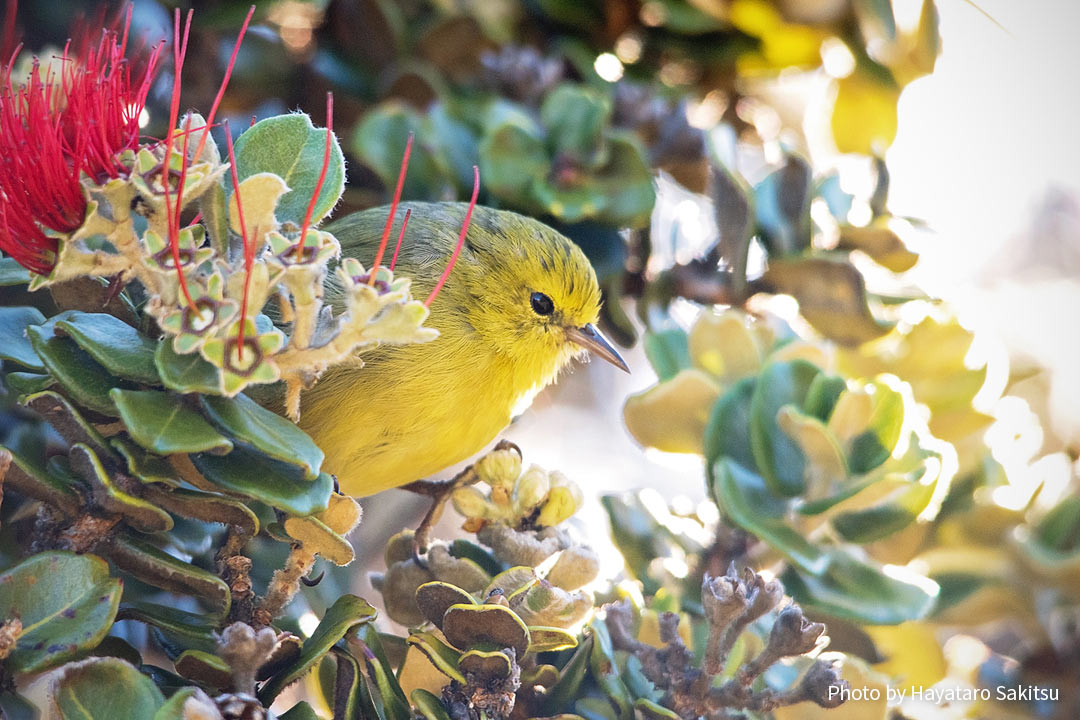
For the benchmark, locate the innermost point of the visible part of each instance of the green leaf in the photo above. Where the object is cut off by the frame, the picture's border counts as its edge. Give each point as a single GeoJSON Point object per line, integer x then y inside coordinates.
{"type": "Point", "coordinates": [347, 612]}
{"type": "Point", "coordinates": [873, 446]}
{"type": "Point", "coordinates": [183, 628]}
{"type": "Point", "coordinates": [122, 349]}
{"type": "Point", "coordinates": [822, 395]}
{"type": "Point", "coordinates": [395, 705]}
{"type": "Point", "coordinates": [31, 475]}
{"type": "Point", "coordinates": [156, 567]}
{"type": "Point", "coordinates": [250, 423]}
{"type": "Point", "coordinates": [105, 689]}
{"type": "Point", "coordinates": [12, 273]}
{"type": "Point", "coordinates": [456, 141]}
{"type": "Point", "coordinates": [606, 671]}
{"type": "Point", "coordinates": [779, 459]}
{"type": "Point", "coordinates": [568, 687]}
{"type": "Point", "coordinates": [727, 433]}
{"type": "Point", "coordinates": [137, 512]}
{"type": "Point", "coordinates": [574, 117]}
{"type": "Point", "coordinates": [290, 147]}
{"type": "Point", "coordinates": [429, 705]}
{"type": "Point", "coordinates": [66, 603]}
{"type": "Point", "coordinates": [782, 200]}
{"type": "Point", "coordinates": [186, 373]}
{"type": "Point", "coordinates": [856, 590]}
{"type": "Point", "coordinates": [1059, 529]}
{"type": "Point", "coordinates": [379, 141]}
{"type": "Point", "coordinates": [12, 705]}
{"type": "Point", "coordinates": [511, 158]}
{"type": "Point", "coordinates": [145, 466]}
{"type": "Point", "coordinates": [275, 483]}
{"type": "Point", "coordinates": [299, 711]}
{"type": "Point", "coordinates": [626, 183]}
{"type": "Point", "coordinates": [885, 518]}
{"type": "Point", "coordinates": [14, 344]}
{"type": "Point", "coordinates": [85, 380]}
{"type": "Point", "coordinates": [734, 221]}
{"type": "Point", "coordinates": [204, 668]}
{"type": "Point", "coordinates": [743, 496]}
{"type": "Point", "coordinates": [24, 383]}
{"type": "Point", "coordinates": [162, 423]}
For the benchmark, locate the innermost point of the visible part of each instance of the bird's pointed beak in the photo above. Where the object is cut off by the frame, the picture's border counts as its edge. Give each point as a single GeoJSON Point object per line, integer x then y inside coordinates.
{"type": "Point", "coordinates": [594, 341]}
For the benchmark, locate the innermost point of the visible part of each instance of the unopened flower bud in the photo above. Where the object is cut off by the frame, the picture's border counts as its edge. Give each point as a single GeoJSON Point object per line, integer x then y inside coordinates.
{"type": "Point", "coordinates": [824, 686]}
{"type": "Point", "coordinates": [532, 487]}
{"type": "Point", "coordinates": [793, 634]}
{"type": "Point", "coordinates": [500, 468]}
{"type": "Point", "coordinates": [470, 502]}
{"type": "Point", "coordinates": [559, 506]}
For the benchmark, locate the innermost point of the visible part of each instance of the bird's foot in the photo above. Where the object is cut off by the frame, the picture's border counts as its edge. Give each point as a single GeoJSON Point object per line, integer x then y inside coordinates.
{"type": "Point", "coordinates": [439, 492]}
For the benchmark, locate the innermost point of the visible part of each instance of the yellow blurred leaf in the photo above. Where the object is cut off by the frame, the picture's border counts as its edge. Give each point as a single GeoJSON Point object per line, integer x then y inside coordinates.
{"type": "Point", "coordinates": [864, 114]}
{"type": "Point", "coordinates": [791, 45]}
{"type": "Point", "coordinates": [831, 296]}
{"type": "Point", "coordinates": [867, 681]}
{"type": "Point", "coordinates": [914, 657]}
{"type": "Point", "coordinates": [671, 416]}
{"type": "Point", "coordinates": [724, 346]}
{"type": "Point", "coordinates": [851, 414]}
{"type": "Point", "coordinates": [649, 629]}
{"type": "Point", "coordinates": [880, 243]}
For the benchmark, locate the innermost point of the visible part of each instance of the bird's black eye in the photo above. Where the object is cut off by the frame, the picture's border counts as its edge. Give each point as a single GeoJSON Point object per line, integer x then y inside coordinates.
{"type": "Point", "coordinates": [541, 304]}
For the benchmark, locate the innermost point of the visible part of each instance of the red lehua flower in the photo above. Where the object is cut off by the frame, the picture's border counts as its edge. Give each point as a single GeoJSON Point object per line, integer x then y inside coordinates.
{"type": "Point", "coordinates": [56, 126]}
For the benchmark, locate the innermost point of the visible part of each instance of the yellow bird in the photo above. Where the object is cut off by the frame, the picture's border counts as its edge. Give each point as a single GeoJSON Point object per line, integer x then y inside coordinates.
{"type": "Point", "coordinates": [520, 303]}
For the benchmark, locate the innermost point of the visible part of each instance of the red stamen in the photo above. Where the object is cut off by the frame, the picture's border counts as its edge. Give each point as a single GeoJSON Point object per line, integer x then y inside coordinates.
{"type": "Point", "coordinates": [54, 128]}
{"type": "Point", "coordinates": [224, 83]}
{"type": "Point", "coordinates": [198, 217]}
{"type": "Point", "coordinates": [393, 210]}
{"type": "Point", "coordinates": [322, 176]}
{"type": "Point", "coordinates": [249, 247]}
{"type": "Point", "coordinates": [461, 238]}
{"type": "Point", "coordinates": [179, 51]}
{"type": "Point", "coordinates": [401, 235]}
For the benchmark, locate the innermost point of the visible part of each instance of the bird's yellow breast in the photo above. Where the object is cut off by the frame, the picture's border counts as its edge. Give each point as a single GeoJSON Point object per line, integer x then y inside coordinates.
{"type": "Point", "coordinates": [412, 411]}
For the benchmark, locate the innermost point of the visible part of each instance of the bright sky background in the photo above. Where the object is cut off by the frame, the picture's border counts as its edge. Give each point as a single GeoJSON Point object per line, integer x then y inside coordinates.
{"type": "Point", "coordinates": [981, 143]}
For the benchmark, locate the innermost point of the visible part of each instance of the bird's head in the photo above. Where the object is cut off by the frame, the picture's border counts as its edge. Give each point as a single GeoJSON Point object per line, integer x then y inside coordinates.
{"type": "Point", "coordinates": [538, 296]}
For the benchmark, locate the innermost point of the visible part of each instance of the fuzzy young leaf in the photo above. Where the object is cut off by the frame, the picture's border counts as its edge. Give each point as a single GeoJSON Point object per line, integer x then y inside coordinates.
{"type": "Point", "coordinates": [66, 603]}
{"type": "Point", "coordinates": [290, 147]}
